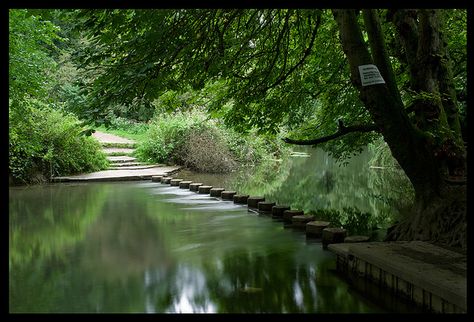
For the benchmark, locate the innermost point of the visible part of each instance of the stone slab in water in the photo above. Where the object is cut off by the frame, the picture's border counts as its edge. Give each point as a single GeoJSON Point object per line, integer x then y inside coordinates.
{"type": "Point", "coordinates": [240, 199]}
{"type": "Point", "coordinates": [184, 184]}
{"type": "Point", "coordinates": [299, 221]}
{"type": "Point", "coordinates": [175, 182]}
{"type": "Point", "coordinates": [356, 239]}
{"type": "Point", "coordinates": [277, 211]}
{"type": "Point", "coordinates": [194, 186]}
{"type": "Point", "coordinates": [265, 207]}
{"type": "Point", "coordinates": [204, 189]}
{"type": "Point", "coordinates": [333, 236]}
{"type": "Point", "coordinates": [252, 202]}
{"type": "Point", "coordinates": [287, 214]}
{"type": "Point", "coordinates": [216, 192]}
{"type": "Point", "coordinates": [228, 195]}
{"type": "Point", "coordinates": [315, 228]}
{"type": "Point", "coordinates": [156, 178]}
{"type": "Point", "coordinates": [166, 180]}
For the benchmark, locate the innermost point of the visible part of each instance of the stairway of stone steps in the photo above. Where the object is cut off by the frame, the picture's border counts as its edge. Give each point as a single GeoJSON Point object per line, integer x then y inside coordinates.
{"type": "Point", "coordinates": [123, 165]}
{"type": "Point", "coordinates": [120, 156]}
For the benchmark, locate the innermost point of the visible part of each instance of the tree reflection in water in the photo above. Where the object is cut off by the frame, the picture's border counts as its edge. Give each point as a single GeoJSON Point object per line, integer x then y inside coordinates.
{"type": "Point", "coordinates": [131, 248]}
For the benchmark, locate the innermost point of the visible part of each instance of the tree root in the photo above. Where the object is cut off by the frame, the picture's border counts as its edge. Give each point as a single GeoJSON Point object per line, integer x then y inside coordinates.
{"type": "Point", "coordinates": [442, 221]}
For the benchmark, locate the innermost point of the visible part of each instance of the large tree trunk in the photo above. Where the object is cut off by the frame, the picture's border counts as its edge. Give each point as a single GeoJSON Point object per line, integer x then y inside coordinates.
{"type": "Point", "coordinates": [425, 151]}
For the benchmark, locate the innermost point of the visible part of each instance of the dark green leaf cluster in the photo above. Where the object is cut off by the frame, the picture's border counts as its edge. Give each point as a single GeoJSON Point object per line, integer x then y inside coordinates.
{"type": "Point", "coordinates": [43, 140]}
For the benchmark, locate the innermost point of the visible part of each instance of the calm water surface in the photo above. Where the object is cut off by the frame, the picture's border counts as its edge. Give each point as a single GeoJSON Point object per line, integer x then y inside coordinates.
{"type": "Point", "coordinates": [148, 247]}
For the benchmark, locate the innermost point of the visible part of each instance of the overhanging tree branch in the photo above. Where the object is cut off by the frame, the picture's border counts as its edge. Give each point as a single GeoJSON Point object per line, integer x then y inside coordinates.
{"type": "Point", "coordinates": [342, 130]}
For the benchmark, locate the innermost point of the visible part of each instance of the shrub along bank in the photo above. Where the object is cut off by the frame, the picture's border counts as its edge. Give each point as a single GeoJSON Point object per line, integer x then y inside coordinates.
{"type": "Point", "coordinates": [193, 140]}
{"type": "Point", "coordinates": [45, 142]}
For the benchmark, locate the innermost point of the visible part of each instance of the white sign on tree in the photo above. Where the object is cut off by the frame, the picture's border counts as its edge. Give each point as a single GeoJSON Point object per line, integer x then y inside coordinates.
{"type": "Point", "coordinates": [370, 75]}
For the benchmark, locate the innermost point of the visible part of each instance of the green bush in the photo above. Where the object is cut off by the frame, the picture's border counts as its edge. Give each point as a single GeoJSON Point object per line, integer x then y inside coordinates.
{"type": "Point", "coordinates": [126, 125]}
{"type": "Point", "coordinates": [193, 140]}
{"type": "Point", "coordinates": [205, 150]}
{"type": "Point", "coordinates": [44, 141]}
{"type": "Point", "coordinates": [165, 138]}
{"type": "Point", "coordinates": [352, 219]}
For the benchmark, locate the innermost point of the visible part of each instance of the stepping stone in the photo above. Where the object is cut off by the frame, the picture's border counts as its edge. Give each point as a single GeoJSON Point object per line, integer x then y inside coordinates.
{"type": "Point", "coordinates": [175, 182]}
{"type": "Point", "coordinates": [194, 186]}
{"type": "Point", "coordinates": [315, 228]}
{"type": "Point", "coordinates": [228, 195]}
{"type": "Point", "coordinates": [156, 178]}
{"type": "Point", "coordinates": [166, 180]}
{"type": "Point", "coordinates": [184, 184]}
{"type": "Point", "coordinates": [299, 221]}
{"type": "Point", "coordinates": [252, 202]}
{"type": "Point", "coordinates": [204, 189]}
{"type": "Point", "coordinates": [287, 214]}
{"type": "Point", "coordinates": [216, 192]}
{"type": "Point", "coordinates": [240, 199]}
{"type": "Point", "coordinates": [265, 207]}
{"type": "Point", "coordinates": [333, 236]}
{"type": "Point", "coordinates": [277, 211]}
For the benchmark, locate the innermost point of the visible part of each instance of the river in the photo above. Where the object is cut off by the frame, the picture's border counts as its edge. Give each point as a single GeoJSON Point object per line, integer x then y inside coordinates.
{"type": "Point", "coordinates": [145, 247]}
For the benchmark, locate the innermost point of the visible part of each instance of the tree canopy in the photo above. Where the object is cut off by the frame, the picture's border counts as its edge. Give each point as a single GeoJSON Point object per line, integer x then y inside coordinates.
{"type": "Point", "coordinates": [297, 70]}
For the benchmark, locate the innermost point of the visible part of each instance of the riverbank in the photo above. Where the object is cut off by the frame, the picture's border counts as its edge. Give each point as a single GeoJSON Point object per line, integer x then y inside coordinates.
{"type": "Point", "coordinates": [123, 166]}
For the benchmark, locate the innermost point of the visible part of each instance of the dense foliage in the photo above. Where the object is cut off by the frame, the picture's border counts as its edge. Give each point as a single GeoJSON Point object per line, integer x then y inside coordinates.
{"type": "Point", "coordinates": [291, 71]}
{"type": "Point", "coordinates": [299, 68]}
{"type": "Point", "coordinates": [193, 140]}
{"type": "Point", "coordinates": [44, 140]}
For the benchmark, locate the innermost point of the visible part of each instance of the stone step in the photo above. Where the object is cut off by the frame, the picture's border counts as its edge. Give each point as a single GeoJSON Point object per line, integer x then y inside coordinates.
{"type": "Point", "coordinates": [118, 151]}
{"type": "Point", "coordinates": [133, 166]}
{"type": "Point", "coordinates": [120, 159]}
{"type": "Point", "coordinates": [118, 145]}
{"type": "Point", "coordinates": [119, 175]}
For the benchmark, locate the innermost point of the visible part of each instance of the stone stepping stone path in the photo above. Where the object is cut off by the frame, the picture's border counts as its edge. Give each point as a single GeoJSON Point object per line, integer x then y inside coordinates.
{"type": "Point", "coordinates": [257, 204]}
{"type": "Point", "coordinates": [372, 257]}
